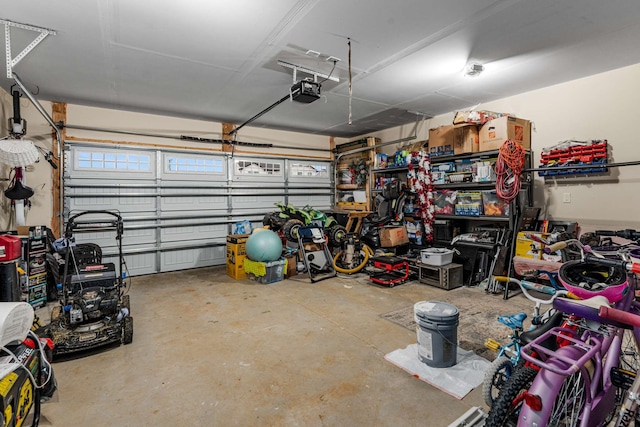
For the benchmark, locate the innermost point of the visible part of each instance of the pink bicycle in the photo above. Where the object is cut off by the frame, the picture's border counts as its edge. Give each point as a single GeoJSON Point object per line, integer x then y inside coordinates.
{"type": "Point", "coordinates": [574, 386]}
{"type": "Point", "coordinates": [630, 380]}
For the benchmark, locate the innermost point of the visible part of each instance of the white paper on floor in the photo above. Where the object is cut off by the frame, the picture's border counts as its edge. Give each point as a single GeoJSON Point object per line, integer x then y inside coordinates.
{"type": "Point", "coordinates": [457, 380]}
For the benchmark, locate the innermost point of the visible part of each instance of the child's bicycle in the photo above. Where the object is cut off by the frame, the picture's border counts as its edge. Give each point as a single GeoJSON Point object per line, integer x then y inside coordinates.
{"type": "Point", "coordinates": [508, 357]}
{"type": "Point", "coordinates": [574, 386]}
{"type": "Point", "coordinates": [625, 379]}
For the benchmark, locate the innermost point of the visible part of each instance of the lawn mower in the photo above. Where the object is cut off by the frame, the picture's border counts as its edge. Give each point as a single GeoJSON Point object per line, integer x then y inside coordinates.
{"type": "Point", "coordinates": [94, 310]}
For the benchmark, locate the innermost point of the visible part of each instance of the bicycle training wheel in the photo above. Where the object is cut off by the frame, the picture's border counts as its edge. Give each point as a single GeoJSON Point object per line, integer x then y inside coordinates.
{"type": "Point", "coordinates": [495, 378]}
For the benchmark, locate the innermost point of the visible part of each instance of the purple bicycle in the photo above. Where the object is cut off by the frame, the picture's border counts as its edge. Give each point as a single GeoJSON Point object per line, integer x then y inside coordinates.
{"type": "Point", "coordinates": [574, 386]}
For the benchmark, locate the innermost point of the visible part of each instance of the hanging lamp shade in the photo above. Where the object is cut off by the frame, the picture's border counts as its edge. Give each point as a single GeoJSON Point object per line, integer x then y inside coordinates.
{"type": "Point", "coordinates": [18, 152]}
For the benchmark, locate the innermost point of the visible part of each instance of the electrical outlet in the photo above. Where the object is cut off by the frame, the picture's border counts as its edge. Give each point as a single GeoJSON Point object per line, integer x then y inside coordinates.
{"type": "Point", "coordinates": [566, 197]}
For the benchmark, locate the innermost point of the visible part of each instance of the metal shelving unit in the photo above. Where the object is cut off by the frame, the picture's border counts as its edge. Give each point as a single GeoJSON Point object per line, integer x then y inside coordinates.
{"type": "Point", "coordinates": [467, 223]}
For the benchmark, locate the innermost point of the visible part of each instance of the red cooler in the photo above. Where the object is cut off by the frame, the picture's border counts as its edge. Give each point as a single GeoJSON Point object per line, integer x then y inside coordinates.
{"type": "Point", "coordinates": [10, 252]}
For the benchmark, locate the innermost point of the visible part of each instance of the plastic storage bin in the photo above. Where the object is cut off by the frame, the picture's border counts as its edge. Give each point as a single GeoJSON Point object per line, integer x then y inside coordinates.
{"type": "Point", "coordinates": [436, 256]}
{"type": "Point", "coordinates": [266, 272]}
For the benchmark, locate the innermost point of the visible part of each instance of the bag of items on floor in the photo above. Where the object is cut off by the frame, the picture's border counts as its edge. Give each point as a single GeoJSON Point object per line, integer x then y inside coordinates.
{"type": "Point", "coordinates": [26, 375]}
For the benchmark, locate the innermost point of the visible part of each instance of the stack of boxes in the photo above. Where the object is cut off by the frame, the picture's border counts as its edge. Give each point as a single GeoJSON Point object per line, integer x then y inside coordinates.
{"type": "Point", "coordinates": [472, 133]}
{"type": "Point", "coordinates": [240, 267]}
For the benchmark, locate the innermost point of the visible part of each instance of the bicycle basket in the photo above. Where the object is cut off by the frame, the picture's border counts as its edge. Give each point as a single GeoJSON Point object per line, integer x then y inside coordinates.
{"type": "Point", "coordinates": [590, 279]}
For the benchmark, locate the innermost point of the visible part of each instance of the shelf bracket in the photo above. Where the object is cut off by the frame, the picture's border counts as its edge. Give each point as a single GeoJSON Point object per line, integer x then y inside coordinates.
{"type": "Point", "coordinates": [12, 62]}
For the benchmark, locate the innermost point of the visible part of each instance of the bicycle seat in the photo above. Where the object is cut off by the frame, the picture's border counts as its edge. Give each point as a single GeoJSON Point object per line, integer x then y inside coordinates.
{"type": "Point", "coordinates": [513, 321]}
{"type": "Point", "coordinates": [552, 322]}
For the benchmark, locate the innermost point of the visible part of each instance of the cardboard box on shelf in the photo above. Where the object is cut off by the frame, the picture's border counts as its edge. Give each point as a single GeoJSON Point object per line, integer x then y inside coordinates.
{"type": "Point", "coordinates": [453, 139]}
{"type": "Point", "coordinates": [466, 139]}
{"type": "Point", "coordinates": [393, 236]}
{"type": "Point", "coordinates": [441, 141]}
{"type": "Point", "coordinates": [495, 132]}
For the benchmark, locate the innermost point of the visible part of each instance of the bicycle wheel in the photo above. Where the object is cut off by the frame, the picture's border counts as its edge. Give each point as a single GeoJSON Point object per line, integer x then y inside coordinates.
{"type": "Point", "coordinates": [495, 378]}
{"type": "Point", "coordinates": [569, 402]}
{"type": "Point", "coordinates": [562, 396]}
{"type": "Point", "coordinates": [629, 357]}
{"type": "Point", "coordinates": [506, 407]}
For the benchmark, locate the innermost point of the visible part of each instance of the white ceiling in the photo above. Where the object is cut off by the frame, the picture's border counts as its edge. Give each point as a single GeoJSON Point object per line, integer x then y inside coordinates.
{"type": "Point", "coordinates": [217, 60]}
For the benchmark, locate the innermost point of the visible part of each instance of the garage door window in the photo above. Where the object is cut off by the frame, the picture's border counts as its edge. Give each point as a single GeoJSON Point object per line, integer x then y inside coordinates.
{"type": "Point", "coordinates": [97, 160]}
{"type": "Point", "coordinates": [308, 170]}
{"type": "Point", "coordinates": [191, 164]}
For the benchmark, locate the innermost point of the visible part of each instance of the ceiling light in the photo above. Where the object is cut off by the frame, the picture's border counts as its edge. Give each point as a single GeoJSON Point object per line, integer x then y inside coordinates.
{"type": "Point", "coordinates": [474, 69]}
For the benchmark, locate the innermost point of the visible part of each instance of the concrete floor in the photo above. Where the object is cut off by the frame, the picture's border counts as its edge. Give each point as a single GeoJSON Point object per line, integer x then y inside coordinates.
{"type": "Point", "coordinates": [211, 351]}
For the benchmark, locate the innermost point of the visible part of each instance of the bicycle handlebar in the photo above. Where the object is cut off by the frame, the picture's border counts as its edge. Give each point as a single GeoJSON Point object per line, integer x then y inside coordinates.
{"type": "Point", "coordinates": [628, 234]}
{"type": "Point", "coordinates": [594, 257]}
{"type": "Point", "coordinates": [619, 316]}
{"type": "Point", "coordinates": [526, 285]}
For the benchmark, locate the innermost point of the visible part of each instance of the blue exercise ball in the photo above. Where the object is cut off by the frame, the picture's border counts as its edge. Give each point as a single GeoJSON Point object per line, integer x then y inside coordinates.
{"type": "Point", "coordinates": [264, 246]}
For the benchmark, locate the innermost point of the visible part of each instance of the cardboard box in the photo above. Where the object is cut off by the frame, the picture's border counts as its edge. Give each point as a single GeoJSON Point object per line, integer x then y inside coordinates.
{"type": "Point", "coordinates": [527, 248]}
{"type": "Point", "coordinates": [236, 253]}
{"type": "Point", "coordinates": [453, 139]}
{"type": "Point", "coordinates": [495, 132]}
{"type": "Point", "coordinates": [292, 266]}
{"type": "Point", "coordinates": [466, 139]}
{"type": "Point", "coordinates": [236, 270]}
{"type": "Point", "coordinates": [393, 236]}
{"type": "Point", "coordinates": [441, 141]}
{"type": "Point", "coordinates": [236, 246]}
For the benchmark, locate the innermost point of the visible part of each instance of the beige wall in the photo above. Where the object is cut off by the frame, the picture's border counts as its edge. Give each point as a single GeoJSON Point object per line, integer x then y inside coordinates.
{"type": "Point", "coordinates": [603, 106]}
{"type": "Point", "coordinates": [39, 176]}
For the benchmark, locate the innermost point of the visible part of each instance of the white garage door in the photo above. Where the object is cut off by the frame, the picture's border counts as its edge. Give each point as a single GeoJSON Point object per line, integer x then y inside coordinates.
{"type": "Point", "coordinates": [179, 206]}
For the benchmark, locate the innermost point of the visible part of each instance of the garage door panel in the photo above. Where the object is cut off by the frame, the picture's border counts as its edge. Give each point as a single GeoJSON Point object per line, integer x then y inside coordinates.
{"type": "Point", "coordinates": [125, 204]}
{"type": "Point", "coordinates": [255, 199]}
{"type": "Point", "coordinates": [188, 203]}
{"type": "Point", "coordinates": [317, 202]}
{"type": "Point", "coordinates": [179, 205]}
{"type": "Point", "coordinates": [182, 259]}
{"type": "Point", "coordinates": [107, 239]}
{"type": "Point", "coordinates": [136, 264]}
{"type": "Point", "coordinates": [193, 233]}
